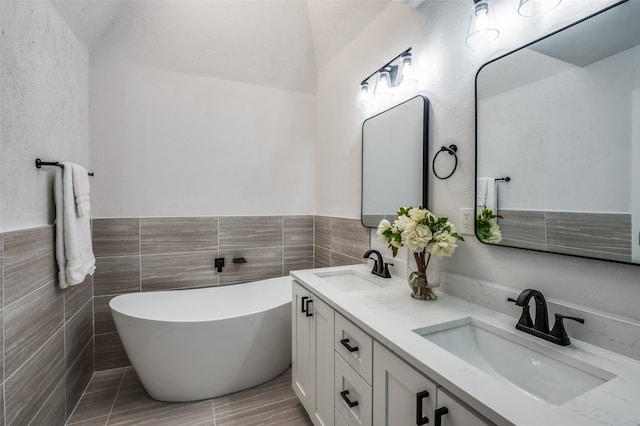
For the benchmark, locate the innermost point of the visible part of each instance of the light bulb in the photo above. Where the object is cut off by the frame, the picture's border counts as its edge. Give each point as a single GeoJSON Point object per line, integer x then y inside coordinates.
{"type": "Point", "coordinates": [383, 91]}
{"type": "Point", "coordinates": [408, 77]}
{"type": "Point", "coordinates": [364, 97]}
{"type": "Point", "coordinates": [481, 25]}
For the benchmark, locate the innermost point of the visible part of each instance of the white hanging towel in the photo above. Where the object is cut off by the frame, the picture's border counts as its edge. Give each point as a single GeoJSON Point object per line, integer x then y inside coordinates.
{"type": "Point", "coordinates": [81, 189]}
{"type": "Point", "coordinates": [74, 250]}
{"type": "Point", "coordinates": [487, 195]}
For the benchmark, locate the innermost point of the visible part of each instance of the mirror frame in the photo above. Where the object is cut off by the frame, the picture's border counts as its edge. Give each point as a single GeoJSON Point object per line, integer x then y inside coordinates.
{"type": "Point", "coordinates": [425, 153]}
{"type": "Point", "coordinates": [475, 217]}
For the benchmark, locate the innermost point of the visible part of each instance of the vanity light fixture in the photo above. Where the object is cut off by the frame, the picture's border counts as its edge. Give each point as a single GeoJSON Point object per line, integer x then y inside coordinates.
{"type": "Point", "coordinates": [396, 72]}
{"type": "Point", "coordinates": [530, 8]}
{"type": "Point", "coordinates": [482, 29]}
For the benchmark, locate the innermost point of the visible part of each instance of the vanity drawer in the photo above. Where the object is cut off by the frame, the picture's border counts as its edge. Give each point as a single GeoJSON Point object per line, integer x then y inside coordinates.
{"type": "Point", "coordinates": [339, 421]}
{"type": "Point", "coordinates": [355, 346]}
{"type": "Point", "coordinates": [353, 396]}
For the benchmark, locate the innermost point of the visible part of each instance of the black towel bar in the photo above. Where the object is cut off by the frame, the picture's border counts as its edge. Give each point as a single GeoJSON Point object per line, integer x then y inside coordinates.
{"type": "Point", "coordinates": [40, 163]}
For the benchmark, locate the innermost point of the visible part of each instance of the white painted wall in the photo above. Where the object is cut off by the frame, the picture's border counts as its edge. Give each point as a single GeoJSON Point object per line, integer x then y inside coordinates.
{"type": "Point", "coordinates": [166, 143]}
{"type": "Point", "coordinates": [44, 108]}
{"type": "Point", "coordinates": [447, 66]}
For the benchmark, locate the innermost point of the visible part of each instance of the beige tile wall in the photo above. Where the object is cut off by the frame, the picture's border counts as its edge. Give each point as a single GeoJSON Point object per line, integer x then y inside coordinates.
{"type": "Point", "coordinates": [47, 355]}
{"type": "Point", "coordinates": [339, 241]}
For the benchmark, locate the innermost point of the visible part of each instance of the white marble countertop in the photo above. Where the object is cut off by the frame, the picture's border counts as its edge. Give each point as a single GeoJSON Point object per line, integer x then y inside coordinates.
{"type": "Point", "coordinates": [389, 314]}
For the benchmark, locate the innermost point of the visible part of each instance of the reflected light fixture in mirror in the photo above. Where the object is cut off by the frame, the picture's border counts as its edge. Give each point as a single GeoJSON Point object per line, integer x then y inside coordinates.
{"type": "Point", "coordinates": [482, 28]}
{"type": "Point", "coordinates": [530, 8]}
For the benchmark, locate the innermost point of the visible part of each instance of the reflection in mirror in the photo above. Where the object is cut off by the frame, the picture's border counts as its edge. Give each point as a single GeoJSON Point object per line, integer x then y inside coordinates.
{"type": "Point", "coordinates": [561, 118]}
{"type": "Point", "coordinates": [394, 152]}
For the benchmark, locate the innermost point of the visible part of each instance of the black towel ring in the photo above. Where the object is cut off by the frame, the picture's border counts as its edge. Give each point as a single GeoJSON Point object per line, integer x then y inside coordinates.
{"type": "Point", "coordinates": [451, 149]}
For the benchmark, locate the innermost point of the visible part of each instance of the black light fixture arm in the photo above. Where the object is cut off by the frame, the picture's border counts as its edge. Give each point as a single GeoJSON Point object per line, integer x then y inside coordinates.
{"type": "Point", "coordinates": [383, 67]}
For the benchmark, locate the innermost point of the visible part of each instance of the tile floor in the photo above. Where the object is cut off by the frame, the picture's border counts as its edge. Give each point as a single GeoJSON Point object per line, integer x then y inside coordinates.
{"type": "Point", "coordinates": [116, 397]}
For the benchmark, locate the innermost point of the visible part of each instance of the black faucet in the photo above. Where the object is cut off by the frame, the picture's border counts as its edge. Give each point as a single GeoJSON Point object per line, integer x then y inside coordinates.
{"type": "Point", "coordinates": [380, 268]}
{"type": "Point", "coordinates": [540, 327]}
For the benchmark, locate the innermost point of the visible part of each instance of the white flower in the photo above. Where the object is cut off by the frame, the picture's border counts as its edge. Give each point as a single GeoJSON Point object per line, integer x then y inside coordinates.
{"type": "Point", "coordinates": [495, 235]}
{"type": "Point", "coordinates": [452, 228]}
{"type": "Point", "coordinates": [444, 245]}
{"type": "Point", "coordinates": [417, 238]}
{"type": "Point", "coordinates": [418, 215]}
{"type": "Point", "coordinates": [404, 223]}
{"type": "Point", "coordinates": [383, 226]}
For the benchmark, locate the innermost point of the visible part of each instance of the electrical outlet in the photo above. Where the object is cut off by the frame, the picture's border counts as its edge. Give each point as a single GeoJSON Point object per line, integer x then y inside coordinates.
{"type": "Point", "coordinates": [466, 220]}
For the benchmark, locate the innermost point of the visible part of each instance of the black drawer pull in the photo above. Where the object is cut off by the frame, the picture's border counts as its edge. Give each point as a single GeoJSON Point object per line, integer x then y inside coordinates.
{"type": "Point", "coordinates": [350, 403]}
{"type": "Point", "coordinates": [439, 413]}
{"type": "Point", "coordinates": [303, 300]}
{"type": "Point", "coordinates": [420, 419]}
{"type": "Point", "coordinates": [345, 343]}
{"type": "Point", "coordinates": [309, 313]}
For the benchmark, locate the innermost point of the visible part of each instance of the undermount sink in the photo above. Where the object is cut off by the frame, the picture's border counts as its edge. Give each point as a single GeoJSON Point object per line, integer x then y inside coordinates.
{"type": "Point", "coordinates": [554, 378]}
{"type": "Point", "coordinates": [349, 280]}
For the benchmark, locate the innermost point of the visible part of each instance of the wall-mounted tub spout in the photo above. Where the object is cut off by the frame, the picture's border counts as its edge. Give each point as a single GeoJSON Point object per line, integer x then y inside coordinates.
{"type": "Point", "coordinates": [239, 260]}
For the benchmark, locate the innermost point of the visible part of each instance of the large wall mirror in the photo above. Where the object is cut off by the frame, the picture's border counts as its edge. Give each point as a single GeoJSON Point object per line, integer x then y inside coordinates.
{"type": "Point", "coordinates": [394, 153]}
{"type": "Point", "coordinates": [560, 118]}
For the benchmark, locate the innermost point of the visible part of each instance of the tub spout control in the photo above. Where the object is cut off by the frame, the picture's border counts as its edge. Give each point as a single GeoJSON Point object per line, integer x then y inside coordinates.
{"type": "Point", "coordinates": [218, 263]}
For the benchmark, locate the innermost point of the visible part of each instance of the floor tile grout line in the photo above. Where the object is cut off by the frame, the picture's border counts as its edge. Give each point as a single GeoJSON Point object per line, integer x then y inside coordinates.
{"type": "Point", "coordinates": [124, 374]}
{"type": "Point", "coordinates": [82, 421]}
{"type": "Point", "coordinates": [84, 393]}
{"type": "Point", "coordinates": [262, 406]}
{"type": "Point", "coordinates": [93, 377]}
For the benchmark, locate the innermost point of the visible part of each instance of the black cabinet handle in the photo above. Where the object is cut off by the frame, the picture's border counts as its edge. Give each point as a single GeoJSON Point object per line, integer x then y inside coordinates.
{"type": "Point", "coordinates": [309, 313]}
{"type": "Point", "coordinates": [303, 300]}
{"type": "Point", "coordinates": [420, 420]}
{"type": "Point", "coordinates": [350, 403]}
{"type": "Point", "coordinates": [439, 413]}
{"type": "Point", "coordinates": [345, 343]}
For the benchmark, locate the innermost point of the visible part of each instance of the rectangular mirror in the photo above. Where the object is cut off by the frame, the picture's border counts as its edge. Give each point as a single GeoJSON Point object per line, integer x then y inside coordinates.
{"type": "Point", "coordinates": [394, 160]}
{"type": "Point", "coordinates": [561, 118]}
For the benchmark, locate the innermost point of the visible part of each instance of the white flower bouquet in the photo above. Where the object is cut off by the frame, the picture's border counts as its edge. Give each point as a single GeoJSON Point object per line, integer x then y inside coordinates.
{"type": "Point", "coordinates": [421, 232]}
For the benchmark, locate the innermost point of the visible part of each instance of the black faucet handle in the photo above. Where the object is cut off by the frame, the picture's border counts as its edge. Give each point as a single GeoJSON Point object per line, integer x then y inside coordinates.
{"type": "Point", "coordinates": [525, 317]}
{"type": "Point", "coordinates": [385, 272]}
{"type": "Point", "coordinates": [560, 332]}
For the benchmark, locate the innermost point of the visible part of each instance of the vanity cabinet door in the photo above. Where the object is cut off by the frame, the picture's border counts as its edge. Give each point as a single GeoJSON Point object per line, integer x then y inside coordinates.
{"type": "Point", "coordinates": [450, 412]}
{"type": "Point", "coordinates": [302, 349]}
{"type": "Point", "coordinates": [401, 395]}
{"type": "Point", "coordinates": [312, 355]}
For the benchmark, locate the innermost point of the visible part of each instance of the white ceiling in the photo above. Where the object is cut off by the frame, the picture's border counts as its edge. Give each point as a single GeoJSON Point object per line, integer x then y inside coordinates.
{"type": "Point", "coordinates": [275, 43]}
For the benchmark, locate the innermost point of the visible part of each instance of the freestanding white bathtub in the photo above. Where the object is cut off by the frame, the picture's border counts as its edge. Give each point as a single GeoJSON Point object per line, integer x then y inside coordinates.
{"type": "Point", "coordinates": [187, 345]}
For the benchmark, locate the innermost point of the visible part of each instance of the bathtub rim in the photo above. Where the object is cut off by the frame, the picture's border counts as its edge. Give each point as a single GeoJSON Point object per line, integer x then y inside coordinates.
{"type": "Point", "coordinates": [263, 309]}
